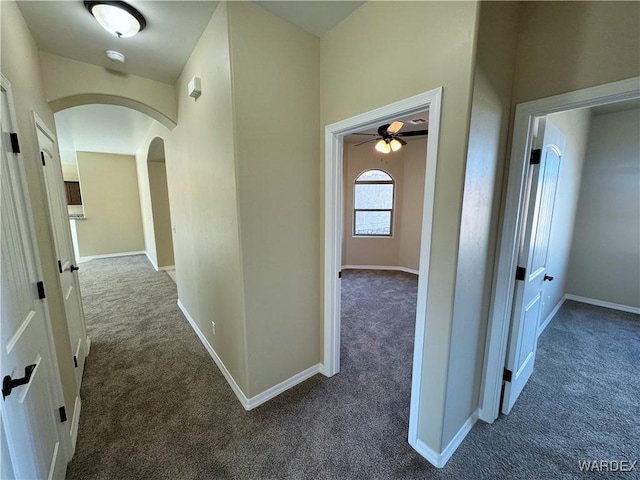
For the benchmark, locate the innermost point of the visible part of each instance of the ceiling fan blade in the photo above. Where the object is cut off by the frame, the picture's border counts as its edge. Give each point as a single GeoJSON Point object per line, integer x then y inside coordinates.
{"type": "Point", "coordinates": [368, 141]}
{"type": "Point", "coordinates": [415, 133]}
{"type": "Point", "coordinates": [370, 134]}
{"type": "Point", "coordinates": [402, 142]}
{"type": "Point", "coordinates": [394, 127]}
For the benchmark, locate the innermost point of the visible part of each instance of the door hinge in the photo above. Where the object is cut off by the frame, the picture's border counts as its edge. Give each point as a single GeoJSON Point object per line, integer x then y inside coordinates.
{"type": "Point", "coordinates": [41, 293]}
{"type": "Point", "coordinates": [75, 361]}
{"type": "Point", "coordinates": [340, 274]}
{"type": "Point", "coordinates": [507, 375]}
{"type": "Point", "coordinates": [535, 157]}
{"type": "Point", "coordinates": [520, 273]}
{"type": "Point", "coordinates": [63, 414]}
{"type": "Point", "coordinates": [60, 266]}
{"type": "Point", "coordinates": [15, 143]}
{"type": "Point", "coordinates": [42, 158]}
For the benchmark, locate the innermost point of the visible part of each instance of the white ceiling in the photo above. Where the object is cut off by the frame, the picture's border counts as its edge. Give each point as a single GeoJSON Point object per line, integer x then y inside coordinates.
{"type": "Point", "coordinates": [100, 128]}
{"type": "Point", "coordinates": [317, 17]}
{"type": "Point", "coordinates": [159, 52]}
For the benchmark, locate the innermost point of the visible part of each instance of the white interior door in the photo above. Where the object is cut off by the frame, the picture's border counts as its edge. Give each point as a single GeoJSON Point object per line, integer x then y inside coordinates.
{"type": "Point", "coordinates": [527, 305]}
{"type": "Point", "coordinates": [59, 215]}
{"type": "Point", "coordinates": [30, 412]}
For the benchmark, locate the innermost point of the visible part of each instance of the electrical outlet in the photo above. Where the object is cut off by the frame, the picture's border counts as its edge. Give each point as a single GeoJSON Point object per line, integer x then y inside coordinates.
{"type": "Point", "coordinates": [213, 327]}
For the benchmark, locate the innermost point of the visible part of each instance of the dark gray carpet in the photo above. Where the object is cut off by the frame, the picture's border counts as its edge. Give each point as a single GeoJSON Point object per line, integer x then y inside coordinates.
{"type": "Point", "coordinates": [154, 404]}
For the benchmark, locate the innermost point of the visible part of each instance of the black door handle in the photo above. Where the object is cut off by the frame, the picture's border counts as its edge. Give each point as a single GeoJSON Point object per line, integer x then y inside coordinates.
{"type": "Point", "coordinates": [73, 268]}
{"type": "Point", "coordinates": [9, 383]}
{"type": "Point", "coordinates": [548, 278]}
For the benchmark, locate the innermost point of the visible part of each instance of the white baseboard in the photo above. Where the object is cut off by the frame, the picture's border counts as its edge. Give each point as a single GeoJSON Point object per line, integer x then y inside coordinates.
{"type": "Point", "coordinates": [602, 303]}
{"type": "Point", "coordinates": [155, 265]}
{"type": "Point", "coordinates": [253, 402]}
{"type": "Point", "coordinates": [380, 267]}
{"type": "Point", "coordinates": [440, 459]}
{"type": "Point", "coordinates": [75, 423]}
{"type": "Point", "coordinates": [151, 261]}
{"type": "Point", "coordinates": [283, 386]}
{"type": "Point", "coordinates": [108, 255]}
{"type": "Point", "coordinates": [551, 315]}
{"type": "Point", "coordinates": [232, 383]}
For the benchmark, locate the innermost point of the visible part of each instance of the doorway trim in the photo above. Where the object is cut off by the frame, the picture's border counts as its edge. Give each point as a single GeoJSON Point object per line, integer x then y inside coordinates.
{"type": "Point", "coordinates": [506, 259]}
{"type": "Point", "coordinates": [333, 222]}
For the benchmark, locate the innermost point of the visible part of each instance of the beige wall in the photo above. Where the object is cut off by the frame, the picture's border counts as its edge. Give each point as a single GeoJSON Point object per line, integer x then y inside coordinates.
{"type": "Point", "coordinates": [566, 46]}
{"type": "Point", "coordinates": [70, 172]}
{"type": "Point", "coordinates": [111, 204]}
{"type": "Point", "coordinates": [407, 167]}
{"type": "Point", "coordinates": [19, 63]}
{"type": "Point", "coordinates": [415, 158]}
{"type": "Point", "coordinates": [201, 169]}
{"type": "Point", "coordinates": [275, 71]}
{"type": "Point", "coordinates": [70, 83]}
{"type": "Point", "coordinates": [444, 34]}
{"type": "Point", "coordinates": [492, 86]}
{"type": "Point", "coordinates": [161, 214]}
{"type": "Point", "coordinates": [605, 253]}
{"type": "Point", "coordinates": [575, 127]}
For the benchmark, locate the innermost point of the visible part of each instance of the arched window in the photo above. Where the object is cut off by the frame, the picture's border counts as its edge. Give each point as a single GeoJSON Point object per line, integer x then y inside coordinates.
{"type": "Point", "coordinates": [373, 198]}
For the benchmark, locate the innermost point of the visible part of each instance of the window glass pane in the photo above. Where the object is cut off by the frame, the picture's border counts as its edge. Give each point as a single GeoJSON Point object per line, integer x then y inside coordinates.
{"type": "Point", "coordinates": [373, 176]}
{"type": "Point", "coordinates": [373, 223]}
{"type": "Point", "coordinates": [368, 196]}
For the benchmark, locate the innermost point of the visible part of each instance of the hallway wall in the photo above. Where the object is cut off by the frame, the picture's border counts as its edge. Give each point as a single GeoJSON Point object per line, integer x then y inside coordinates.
{"type": "Point", "coordinates": [201, 161]}
{"type": "Point", "coordinates": [577, 45]}
{"type": "Point", "coordinates": [275, 76]}
{"type": "Point", "coordinates": [483, 178]}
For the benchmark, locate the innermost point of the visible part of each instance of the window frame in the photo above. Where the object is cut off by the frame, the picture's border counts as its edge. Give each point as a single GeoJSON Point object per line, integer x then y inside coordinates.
{"type": "Point", "coordinates": [391, 210]}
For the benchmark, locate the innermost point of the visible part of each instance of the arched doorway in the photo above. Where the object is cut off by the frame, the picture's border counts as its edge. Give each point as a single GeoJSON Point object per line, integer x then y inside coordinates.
{"type": "Point", "coordinates": [162, 227]}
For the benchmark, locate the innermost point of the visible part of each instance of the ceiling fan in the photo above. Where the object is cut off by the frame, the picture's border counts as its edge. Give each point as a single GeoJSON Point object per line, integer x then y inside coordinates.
{"type": "Point", "coordinates": [388, 137]}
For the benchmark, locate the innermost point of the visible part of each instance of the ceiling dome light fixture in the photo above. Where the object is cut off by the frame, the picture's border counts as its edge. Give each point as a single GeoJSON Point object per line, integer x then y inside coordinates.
{"type": "Point", "coordinates": [117, 18]}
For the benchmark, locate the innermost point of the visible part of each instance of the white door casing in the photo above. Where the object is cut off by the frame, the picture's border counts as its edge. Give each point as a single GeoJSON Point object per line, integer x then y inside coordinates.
{"type": "Point", "coordinates": [37, 446]}
{"type": "Point", "coordinates": [334, 133]}
{"type": "Point", "coordinates": [58, 213]}
{"type": "Point", "coordinates": [527, 305]}
{"type": "Point", "coordinates": [502, 296]}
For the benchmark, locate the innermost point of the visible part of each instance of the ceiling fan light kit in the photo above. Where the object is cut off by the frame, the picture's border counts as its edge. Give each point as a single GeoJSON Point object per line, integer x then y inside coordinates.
{"type": "Point", "coordinates": [383, 147]}
{"type": "Point", "coordinates": [118, 18]}
{"type": "Point", "coordinates": [389, 137]}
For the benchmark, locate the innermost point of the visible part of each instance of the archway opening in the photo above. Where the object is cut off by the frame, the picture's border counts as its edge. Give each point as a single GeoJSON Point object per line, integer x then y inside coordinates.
{"type": "Point", "coordinates": [161, 213]}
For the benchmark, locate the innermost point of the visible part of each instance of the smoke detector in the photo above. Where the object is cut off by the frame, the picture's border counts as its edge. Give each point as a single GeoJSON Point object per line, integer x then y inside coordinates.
{"type": "Point", "coordinates": [116, 57]}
